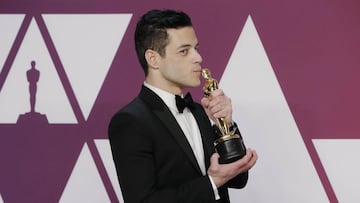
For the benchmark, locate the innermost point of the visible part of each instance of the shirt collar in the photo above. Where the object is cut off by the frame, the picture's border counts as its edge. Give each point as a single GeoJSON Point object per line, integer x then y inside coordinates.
{"type": "Point", "coordinates": [167, 97]}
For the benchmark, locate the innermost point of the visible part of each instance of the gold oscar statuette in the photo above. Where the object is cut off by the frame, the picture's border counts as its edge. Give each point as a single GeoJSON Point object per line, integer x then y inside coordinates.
{"type": "Point", "coordinates": [229, 145]}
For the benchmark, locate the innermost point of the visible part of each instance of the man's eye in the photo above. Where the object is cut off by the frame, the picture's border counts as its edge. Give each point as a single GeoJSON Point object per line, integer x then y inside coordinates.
{"type": "Point", "coordinates": [183, 52]}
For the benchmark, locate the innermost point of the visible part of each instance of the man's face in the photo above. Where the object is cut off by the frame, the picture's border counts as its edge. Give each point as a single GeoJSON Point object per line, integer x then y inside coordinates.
{"type": "Point", "coordinates": [180, 67]}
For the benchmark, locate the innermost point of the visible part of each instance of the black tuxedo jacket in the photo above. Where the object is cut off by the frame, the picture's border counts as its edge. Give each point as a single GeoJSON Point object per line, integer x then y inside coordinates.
{"type": "Point", "coordinates": [153, 159]}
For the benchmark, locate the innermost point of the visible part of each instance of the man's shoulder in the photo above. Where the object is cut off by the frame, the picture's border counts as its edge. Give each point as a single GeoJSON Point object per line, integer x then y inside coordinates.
{"type": "Point", "coordinates": [133, 107]}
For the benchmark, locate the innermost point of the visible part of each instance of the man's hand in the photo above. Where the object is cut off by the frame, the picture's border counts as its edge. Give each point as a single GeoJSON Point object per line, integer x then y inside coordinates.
{"type": "Point", "coordinates": [222, 173]}
{"type": "Point", "coordinates": [218, 105]}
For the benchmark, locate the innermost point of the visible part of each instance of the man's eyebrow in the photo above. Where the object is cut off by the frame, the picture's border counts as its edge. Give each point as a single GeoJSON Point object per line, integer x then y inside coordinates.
{"type": "Point", "coordinates": [184, 46]}
{"type": "Point", "coordinates": [188, 45]}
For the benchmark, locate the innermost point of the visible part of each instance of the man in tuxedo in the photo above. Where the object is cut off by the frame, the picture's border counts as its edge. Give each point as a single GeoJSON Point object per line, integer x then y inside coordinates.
{"type": "Point", "coordinates": [163, 154]}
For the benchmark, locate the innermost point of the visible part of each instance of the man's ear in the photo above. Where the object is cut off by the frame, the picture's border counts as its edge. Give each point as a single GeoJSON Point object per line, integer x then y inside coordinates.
{"type": "Point", "coordinates": [152, 57]}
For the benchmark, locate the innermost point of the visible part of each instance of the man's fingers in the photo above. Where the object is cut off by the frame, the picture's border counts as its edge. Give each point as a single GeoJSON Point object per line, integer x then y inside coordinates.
{"type": "Point", "coordinates": [205, 102]}
{"type": "Point", "coordinates": [249, 160]}
{"type": "Point", "coordinates": [215, 158]}
{"type": "Point", "coordinates": [217, 92]}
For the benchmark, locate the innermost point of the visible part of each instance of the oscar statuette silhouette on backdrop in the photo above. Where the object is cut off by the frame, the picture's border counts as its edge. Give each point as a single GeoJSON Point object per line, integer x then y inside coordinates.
{"type": "Point", "coordinates": [229, 145]}
{"type": "Point", "coordinates": [33, 76]}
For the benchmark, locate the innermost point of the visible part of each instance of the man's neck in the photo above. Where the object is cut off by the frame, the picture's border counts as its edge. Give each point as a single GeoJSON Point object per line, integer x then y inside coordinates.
{"type": "Point", "coordinates": [173, 90]}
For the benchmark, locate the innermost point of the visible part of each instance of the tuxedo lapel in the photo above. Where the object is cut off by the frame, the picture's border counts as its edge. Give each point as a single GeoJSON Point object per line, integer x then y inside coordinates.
{"type": "Point", "coordinates": [205, 131]}
{"type": "Point", "coordinates": [163, 113]}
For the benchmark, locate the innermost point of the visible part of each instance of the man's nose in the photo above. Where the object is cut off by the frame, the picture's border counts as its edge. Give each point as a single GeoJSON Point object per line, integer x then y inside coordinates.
{"type": "Point", "coordinates": [197, 57]}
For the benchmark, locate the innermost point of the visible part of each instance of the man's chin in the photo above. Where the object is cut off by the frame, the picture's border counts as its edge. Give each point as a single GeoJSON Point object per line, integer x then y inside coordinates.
{"type": "Point", "coordinates": [194, 85]}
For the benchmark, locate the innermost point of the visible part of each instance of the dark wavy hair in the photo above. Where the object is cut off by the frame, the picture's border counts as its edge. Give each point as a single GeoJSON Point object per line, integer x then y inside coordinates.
{"type": "Point", "coordinates": [151, 31]}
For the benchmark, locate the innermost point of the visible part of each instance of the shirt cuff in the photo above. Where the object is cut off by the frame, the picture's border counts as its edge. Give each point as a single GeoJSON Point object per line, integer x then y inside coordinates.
{"type": "Point", "coordinates": [216, 192]}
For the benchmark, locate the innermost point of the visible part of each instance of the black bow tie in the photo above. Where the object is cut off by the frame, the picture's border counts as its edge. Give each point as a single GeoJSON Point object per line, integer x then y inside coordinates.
{"type": "Point", "coordinates": [181, 103]}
